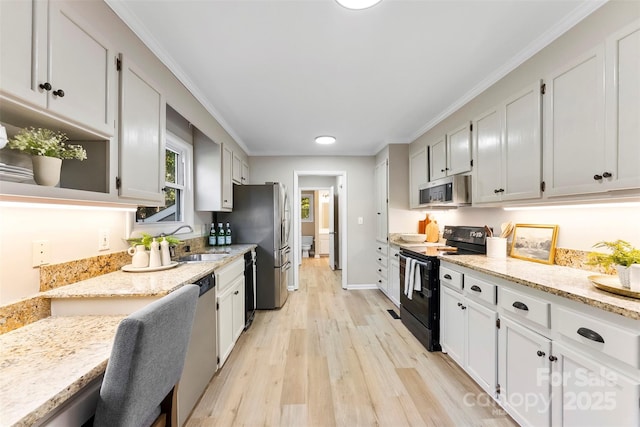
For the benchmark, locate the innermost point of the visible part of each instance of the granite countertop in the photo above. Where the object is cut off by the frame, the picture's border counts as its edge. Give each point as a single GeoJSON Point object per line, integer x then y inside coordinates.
{"type": "Point", "coordinates": [566, 282]}
{"type": "Point", "coordinates": [45, 363]}
{"type": "Point", "coordinates": [156, 283]}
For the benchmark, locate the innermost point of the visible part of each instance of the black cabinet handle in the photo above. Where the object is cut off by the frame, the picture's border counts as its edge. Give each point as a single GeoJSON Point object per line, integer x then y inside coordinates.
{"type": "Point", "coordinates": [46, 86]}
{"type": "Point", "coordinates": [397, 255]}
{"type": "Point", "coordinates": [501, 190]}
{"type": "Point", "coordinates": [607, 175]}
{"type": "Point", "coordinates": [597, 177]}
{"type": "Point", "coordinates": [476, 288]}
{"type": "Point", "coordinates": [496, 191]}
{"type": "Point", "coordinates": [540, 353]}
{"type": "Point", "coordinates": [380, 270]}
{"type": "Point", "coordinates": [520, 306]}
{"type": "Point", "coordinates": [59, 93]}
{"type": "Point", "coordinates": [552, 358]}
{"type": "Point", "coordinates": [464, 307]}
{"type": "Point", "coordinates": [447, 276]}
{"type": "Point", "coordinates": [590, 335]}
{"type": "Point", "coordinates": [380, 259]}
{"type": "Point", "coordinates": [459, 304]}
{"type": "Point", "coordinates": [441, 170]}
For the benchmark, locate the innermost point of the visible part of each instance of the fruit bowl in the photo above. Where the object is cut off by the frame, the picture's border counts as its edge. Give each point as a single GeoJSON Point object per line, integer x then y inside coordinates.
{"type": "Point", "coordinates": [413, 238]}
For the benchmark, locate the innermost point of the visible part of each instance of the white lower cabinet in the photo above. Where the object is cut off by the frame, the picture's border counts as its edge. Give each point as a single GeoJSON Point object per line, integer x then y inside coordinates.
{"type": "Point", "coordinates": [468, 330]}
{"type": "Point", "coordinates": [382, 249]}
{"type": "Point", "coordinates": [524, 374]}
{"type": "Point", "coordinates": [393, 276]}
{"type": "Point", "coordinates": [230, 307]}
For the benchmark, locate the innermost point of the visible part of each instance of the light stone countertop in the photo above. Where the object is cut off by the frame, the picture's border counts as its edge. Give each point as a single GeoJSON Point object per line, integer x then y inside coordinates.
{"type": "Point", "coordinates": [156, 283]}
{"type": "Point", "coordinates": [566, 282]}
{"type": "Point", "coordinates": [45, 363]}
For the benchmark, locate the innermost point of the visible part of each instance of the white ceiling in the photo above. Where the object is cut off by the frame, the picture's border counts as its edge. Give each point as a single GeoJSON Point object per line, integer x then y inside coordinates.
{"type": "Point", "coordinates": [277, 73]}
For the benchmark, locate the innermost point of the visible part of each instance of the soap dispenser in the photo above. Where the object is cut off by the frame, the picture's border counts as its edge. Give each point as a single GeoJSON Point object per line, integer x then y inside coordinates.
{"type": "Point", "coordinates": [165, 255]}
{"type": "Point", "coordinates": [154, 255]}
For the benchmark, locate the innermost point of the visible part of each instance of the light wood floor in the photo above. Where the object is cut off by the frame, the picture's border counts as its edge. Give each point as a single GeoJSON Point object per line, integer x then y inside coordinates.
{"type": "Point", "coordinates": [331, 357]}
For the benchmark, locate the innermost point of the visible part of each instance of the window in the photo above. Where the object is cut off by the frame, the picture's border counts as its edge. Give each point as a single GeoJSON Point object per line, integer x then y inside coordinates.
{"type": "Point", "coordinates": [306, 207]}
{"type": "Point", "coordinates": [178, 191]}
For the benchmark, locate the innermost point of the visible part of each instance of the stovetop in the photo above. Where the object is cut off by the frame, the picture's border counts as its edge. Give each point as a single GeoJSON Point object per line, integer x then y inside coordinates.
{"type": "Point", "coordinates": [466, 241]}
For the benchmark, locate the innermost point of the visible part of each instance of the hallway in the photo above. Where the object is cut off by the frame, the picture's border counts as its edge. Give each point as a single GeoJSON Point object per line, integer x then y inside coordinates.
{"type": "Point", "coordinates": [334, 357]}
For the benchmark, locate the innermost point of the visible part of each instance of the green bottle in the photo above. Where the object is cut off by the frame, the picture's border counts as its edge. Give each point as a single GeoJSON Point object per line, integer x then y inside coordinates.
{"type": "Point", "coordinates": [221, 235]}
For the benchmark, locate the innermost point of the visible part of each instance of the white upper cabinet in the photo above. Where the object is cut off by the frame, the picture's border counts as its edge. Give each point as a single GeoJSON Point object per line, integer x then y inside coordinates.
{"type": "Point", "coordinates": [451, 155]}
{"type": "Point", "coordinates": [507, 148]}
{"type": "Point", "coordinates": [381, 197]}
{"type": "Point", "coordinates": [622, 152]}
{"type": "Point", "coordinates": [574, 147]}
{"type": "Point", "coordinates": [142, 136]}
{"type": "Point", "coordinates": [227, 178]}
{"type": "Point", "coordinates": [245, 172]}
{"type": "Point", "coordinates": [58, 63]}
{"type": "Point", "coordinates": [417, 175]}
{"type": "Point", "coordinates": [237, 169]}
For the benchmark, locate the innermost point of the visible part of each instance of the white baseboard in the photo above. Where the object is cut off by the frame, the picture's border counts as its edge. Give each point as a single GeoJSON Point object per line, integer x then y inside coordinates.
{"type": "Point", "coordinates": [360, 286]}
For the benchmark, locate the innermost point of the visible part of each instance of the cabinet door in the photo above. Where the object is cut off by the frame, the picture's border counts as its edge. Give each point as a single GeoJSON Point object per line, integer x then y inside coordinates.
{"type": "Point", "coordinates": [238, 307]}
{"type": "Point", "coordinates": [487, 149]}
{"type": "Point", "coordinates": [452, 324]}
{"type": "Point", "coordinates": [459, 150]}
{"type": "Point", "coordinates": [417, 175]}
{"type": "Point", "coordinates": [225, 318]}
{"type": "Point", "coordinates": [586, 393]}
{"type": "Point", "coordinates": [393, 278]}
{"type": "Point", "coordinates": [236, 168]}
{"type": "Point", "coordinates": [574, 126]}
{"type": "Point", "coordinates": [482, 345]}
{"type": "Point", "coordinates": [81, 64]}
{"type": "Point", "coordinates": [522, 145]}
{"type": "Point", "coordinates": [227, 178]}
{"type": "Point", "coordinates": [245, 173]}
{"type": "Point", "coordinates": [23, 38]}
{"type": "Point", "coordinates": [381, 200]}
{"type": "Point", "coordinates": [438, 159]}
{"type": "Point", "coordinates": [142, 132]}
{"type": "Point", "coordinates": [623, 108]}
{"type": "Point", "coordinates": [524, 374]}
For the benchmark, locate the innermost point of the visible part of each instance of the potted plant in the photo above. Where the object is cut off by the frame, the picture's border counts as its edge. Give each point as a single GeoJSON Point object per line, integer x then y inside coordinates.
{"type": "Point", "coordinates": [622, 255]}
{"type": "Point", "coordinates": [146, 240]}
{"type": "Point", "coordinates": [47, 149]}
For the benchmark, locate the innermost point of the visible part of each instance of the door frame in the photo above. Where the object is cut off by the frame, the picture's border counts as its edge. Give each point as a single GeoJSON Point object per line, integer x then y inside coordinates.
{"type": "Point", "coordinates": [342, 213]}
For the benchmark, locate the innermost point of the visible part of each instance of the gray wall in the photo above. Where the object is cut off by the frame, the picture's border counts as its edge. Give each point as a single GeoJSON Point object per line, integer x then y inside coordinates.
{"type": "Point", "coordinates": [360, 203]}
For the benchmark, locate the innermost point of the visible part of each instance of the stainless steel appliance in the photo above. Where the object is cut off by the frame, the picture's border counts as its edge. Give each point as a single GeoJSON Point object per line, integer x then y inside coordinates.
{"type": "Point", "coordinates": [421, 313]}
{"type": "Point", "coordinates": [261, 216]}
{"type": "Point", "coordinates": [200, 363]}
{"type": "Point", "coordinates": [451, 191]}
{"type": "Point", "coordinates": [249, 288]}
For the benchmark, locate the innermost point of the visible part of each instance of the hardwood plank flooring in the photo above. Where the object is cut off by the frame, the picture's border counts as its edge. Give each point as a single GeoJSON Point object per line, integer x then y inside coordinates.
{"type": "Point", "coordinates": [332, 357]}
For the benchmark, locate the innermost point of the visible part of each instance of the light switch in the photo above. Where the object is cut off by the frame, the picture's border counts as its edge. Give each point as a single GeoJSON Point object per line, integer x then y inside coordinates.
{"type": "Point", "coordinates": [103, 239]}
{"type": "Point", "coordinates": [360, 220]}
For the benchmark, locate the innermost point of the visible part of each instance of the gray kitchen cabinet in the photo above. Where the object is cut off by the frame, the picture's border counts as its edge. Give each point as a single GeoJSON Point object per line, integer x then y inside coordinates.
{"type": "Point", "coordinates": [417, 175]}
{"type": "Point", "coordinates": [230, 307]}
{"type": "Point", "coordinates": [212, 174]}
{"type": "Point", "coordinates": [227, 178]}
{"type": "Point", "coordinates": [59, 64]}
{"type": "Point", "coordinates": [451, 155]}
{"type": "Point", "coordinates": [142, 137]}
{"type": "Point", "coordinates": [245, 173]}
{"type": "Point", "coordinates": [507, 149]}
{"type": "Point", "coordinates": [236, 169]}
{"type": "Point", "coordinates": [381, 203]}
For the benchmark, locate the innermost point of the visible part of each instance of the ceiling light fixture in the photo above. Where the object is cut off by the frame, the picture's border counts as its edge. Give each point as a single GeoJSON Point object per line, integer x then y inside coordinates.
{"type": "Point", "coordinates": [357, 4]}
{"type": "Point", "coordinates": [325, 139]}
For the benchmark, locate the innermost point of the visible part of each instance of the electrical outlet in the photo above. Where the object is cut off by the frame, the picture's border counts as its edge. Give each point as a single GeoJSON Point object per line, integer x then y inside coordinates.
{"type": "Point", "coordinates": [41, 252]}
{"type": "Point", "coordinates": [103, 239]}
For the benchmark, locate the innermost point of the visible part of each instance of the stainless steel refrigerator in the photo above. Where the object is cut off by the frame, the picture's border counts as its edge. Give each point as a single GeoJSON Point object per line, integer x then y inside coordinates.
{"type": "Point", "coordinates": [261, 216]}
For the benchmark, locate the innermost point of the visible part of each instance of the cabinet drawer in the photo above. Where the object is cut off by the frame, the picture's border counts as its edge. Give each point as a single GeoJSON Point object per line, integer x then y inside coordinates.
{"type": "Point", "coordinates": [451, 278]}
{"type": "Point", "coordinates": [599, 335]}
{"type": "Point", "coordinates": [480, 290]}
{"type": "Point", "coordinates": [381, 260]}
{"type": "Point", "coordinates": [382, 249]}
{"type": "Point", "coordinates": [381, 272]}
{"type": "Point", "coordinates": [228, 273]}
{"type": "Point", "coordinates": [525, 307]}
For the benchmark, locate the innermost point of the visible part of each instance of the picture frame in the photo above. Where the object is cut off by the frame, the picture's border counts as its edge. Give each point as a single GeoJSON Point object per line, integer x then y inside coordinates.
{"type": "Point", "coordinates": [535, 242]}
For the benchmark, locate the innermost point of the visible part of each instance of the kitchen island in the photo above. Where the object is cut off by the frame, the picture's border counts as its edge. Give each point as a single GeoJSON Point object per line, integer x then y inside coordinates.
{"type": "Point", "coordinates": [47, 364]}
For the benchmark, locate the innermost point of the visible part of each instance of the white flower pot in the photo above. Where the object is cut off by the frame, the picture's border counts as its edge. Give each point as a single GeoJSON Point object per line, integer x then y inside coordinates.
{"type": "Point", "coordinates": [624, 274]}
{"type": "Point", "coordinates": [634, 277]}
{"type": "Point", "coordinates": [46, 170]}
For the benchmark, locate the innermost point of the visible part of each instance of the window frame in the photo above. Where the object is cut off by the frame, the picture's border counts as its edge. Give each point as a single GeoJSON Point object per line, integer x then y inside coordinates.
{"type": "Point", "coordinates": [311, 207]}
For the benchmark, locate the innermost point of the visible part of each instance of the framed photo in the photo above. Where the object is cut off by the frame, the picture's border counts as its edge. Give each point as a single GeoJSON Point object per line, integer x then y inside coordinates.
{"type": "Point", "coordinates": [534, 242]}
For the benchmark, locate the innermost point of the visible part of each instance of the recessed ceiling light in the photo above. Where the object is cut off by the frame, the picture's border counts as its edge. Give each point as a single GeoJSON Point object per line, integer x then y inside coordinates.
{"type": "Point", "coordinates": [325, 140]}
{"type": "Point", "coordinates": [357, 4]}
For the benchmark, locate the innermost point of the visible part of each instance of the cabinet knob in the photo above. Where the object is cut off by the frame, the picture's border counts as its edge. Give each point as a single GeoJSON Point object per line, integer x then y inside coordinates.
{"type": "Point", "coordinates": [496, 191]}
{"type": "Point", "coordinates": [540, 353]}
{"type": "Point", "coordinates": [45, 86]}
{"type": "Point", "coordinates": [379, 270]}
{"type": "Point", "coordinates": [597, 177]}
{"type": "Point", "coordinates": [501, 190]}
{"type": "Point", "coordinates": [380, 259]}
{"type": "Point", "coordinates": [441, 170]}
{"type": "Point", "coordinates": [236, 292]}
{"type": "Point", "coordinates": [607, 175]}
{"type": "Point", "coordinates": [464, 307]}
{"type": "Point", "coordinates": [552, 358]}
{"type": "Point", "coordinates": [459, 304]}
{"type": "Point", "coordinates": [59, 93]}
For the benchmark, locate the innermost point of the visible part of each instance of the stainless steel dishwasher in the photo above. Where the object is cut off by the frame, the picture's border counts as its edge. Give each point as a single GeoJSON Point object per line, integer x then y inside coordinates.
{"type": "Point", "coordinates": [200, 363]}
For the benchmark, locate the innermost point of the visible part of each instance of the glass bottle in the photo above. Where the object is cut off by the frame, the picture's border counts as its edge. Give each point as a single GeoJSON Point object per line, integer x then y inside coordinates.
{"type": "Point", "coordinates": [213, 238]}
{"type": "Point", "coordinates": [228, 235]}
{"type": "Point", "coordinates": [221, 235]}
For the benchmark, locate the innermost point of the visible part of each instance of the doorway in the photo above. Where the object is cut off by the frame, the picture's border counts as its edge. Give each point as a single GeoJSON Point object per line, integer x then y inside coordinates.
{"type": "Point", "coordinates": [329, 190]}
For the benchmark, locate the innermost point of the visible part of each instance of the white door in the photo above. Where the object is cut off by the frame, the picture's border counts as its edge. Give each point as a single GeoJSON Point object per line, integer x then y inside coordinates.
{"type": "Point", "coordinates": [453, 324]}
{"type": "Point", "coordinates": [487, 147]}
{"type": "Point", "coordinates": [332, 232]}
{"type": "Point", "coordinates": [438, 160]}
{"type": "Point", "coordinates": [459, 150]}
{"type": "Point", "coordinates": [482, 345]}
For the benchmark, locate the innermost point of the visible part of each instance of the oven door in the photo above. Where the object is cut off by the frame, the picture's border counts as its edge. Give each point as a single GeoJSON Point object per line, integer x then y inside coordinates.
{"type": "Point", "coordinates": [423, 304]}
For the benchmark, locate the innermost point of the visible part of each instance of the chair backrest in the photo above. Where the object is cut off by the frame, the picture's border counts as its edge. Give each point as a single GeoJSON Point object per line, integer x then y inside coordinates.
{"type": "Point", "coordinates": [146, 360]}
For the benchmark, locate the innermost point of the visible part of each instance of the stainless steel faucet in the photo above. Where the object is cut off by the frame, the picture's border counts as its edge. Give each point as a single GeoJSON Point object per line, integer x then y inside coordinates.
{"type": "Point", "coordinates": [175, 231]}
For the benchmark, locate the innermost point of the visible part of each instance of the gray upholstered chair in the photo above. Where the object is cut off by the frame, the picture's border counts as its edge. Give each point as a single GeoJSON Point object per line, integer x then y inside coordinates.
{"type": "Point", "coordinates": [146, 362]}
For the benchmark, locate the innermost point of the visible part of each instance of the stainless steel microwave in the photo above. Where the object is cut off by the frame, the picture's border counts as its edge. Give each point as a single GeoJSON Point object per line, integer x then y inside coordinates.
{"type": "Point", "coordinates": [451, 191]}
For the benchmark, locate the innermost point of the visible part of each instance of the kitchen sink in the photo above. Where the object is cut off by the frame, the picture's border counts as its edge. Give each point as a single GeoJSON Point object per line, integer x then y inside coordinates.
{"type": "Point", "coordinates": [202, 257]}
